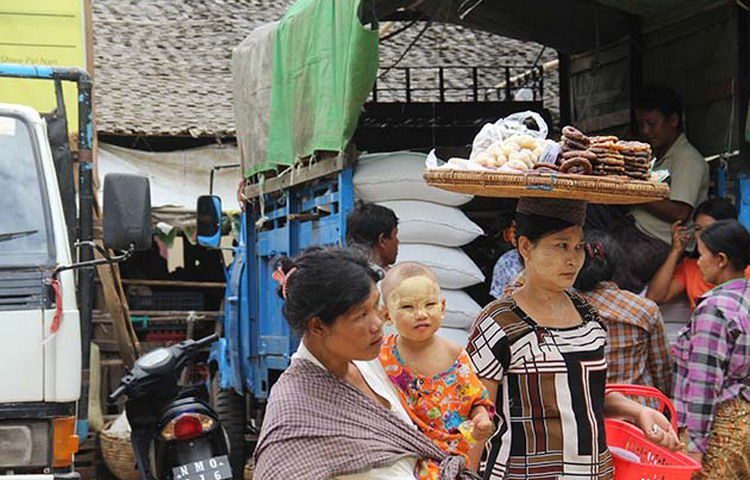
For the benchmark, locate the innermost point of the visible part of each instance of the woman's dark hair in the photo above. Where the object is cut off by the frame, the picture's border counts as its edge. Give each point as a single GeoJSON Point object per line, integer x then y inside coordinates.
{"type": "Point", "coordinates": [716, 208]}
{"type": "Point", "coordinates": [730, 238]}
{"type": "Point", "coordinates": [603, 254]}
{"type": "Point", "coordinates": [367, 222]}
{"type": "Point", "coordinates": [324, 282]}
{"type": "Point", "coordinates": [534, 227]}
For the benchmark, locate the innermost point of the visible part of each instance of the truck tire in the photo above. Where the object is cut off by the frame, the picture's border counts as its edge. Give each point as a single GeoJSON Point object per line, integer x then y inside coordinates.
{"type": "Point", "coordinates": [230, 408]}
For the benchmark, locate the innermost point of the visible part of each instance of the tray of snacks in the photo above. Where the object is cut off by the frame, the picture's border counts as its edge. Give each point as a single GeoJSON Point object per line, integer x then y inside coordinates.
{"type": "Point", "coordinates": [510, 160]}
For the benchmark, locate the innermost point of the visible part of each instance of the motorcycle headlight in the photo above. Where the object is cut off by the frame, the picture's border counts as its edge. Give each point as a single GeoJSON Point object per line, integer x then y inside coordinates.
{"type": "Point", "coordinates": [186, 426]}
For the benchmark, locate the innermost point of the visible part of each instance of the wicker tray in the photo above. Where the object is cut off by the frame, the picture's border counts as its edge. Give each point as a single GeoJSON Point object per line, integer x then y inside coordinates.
{"type": "Point", "coordinates": [609, 190]}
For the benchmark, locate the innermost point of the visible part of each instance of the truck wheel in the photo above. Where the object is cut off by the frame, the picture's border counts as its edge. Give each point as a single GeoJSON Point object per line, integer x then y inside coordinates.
{"type": "Point", "coordinates": [230, 408]}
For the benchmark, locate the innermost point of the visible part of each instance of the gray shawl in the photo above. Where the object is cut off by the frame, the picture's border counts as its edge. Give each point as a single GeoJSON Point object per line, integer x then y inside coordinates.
{"type": "Point", "coordinates": [318, 426]}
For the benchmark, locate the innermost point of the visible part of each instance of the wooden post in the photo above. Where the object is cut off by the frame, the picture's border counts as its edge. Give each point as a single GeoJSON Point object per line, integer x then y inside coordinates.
{"type": "Point", "coordinates": [566, 97]}
{"type": "Point", "coordinates": [743, 84]}
{"type": "Point", "coordinates": [636, 68]}
{"type": "Point", "coordinates": [117, 306]}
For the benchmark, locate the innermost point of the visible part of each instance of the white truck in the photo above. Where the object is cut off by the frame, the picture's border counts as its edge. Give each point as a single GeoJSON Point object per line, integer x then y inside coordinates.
{"type": "Point", "coordinates": [45, 292]}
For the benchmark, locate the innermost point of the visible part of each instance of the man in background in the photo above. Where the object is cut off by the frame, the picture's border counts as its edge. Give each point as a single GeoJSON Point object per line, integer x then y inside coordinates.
{"type": "Point", "coordinates": [647, 229]}
{"type": "Point", "coordinates": [374, 229]}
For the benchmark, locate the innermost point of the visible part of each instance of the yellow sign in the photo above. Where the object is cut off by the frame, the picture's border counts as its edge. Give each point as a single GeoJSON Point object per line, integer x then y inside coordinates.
{"type": "Point", "coordinates": [42, 32]}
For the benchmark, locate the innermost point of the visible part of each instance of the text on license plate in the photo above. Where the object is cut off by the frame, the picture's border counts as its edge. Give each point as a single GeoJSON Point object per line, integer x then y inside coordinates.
{"type": "Point", "coordinates": [216, 468]}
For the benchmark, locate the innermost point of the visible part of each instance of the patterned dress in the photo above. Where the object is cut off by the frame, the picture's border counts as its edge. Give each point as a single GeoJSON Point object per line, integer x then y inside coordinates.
{"type": "Point", "coordinates": [437, 404]}
{"type": "Point", "coordinates": [550, 399]}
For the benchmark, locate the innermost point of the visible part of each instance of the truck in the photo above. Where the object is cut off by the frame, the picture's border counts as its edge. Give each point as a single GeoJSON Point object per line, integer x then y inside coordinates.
{"type": "Point", "coordinates": [46, 291]}
{"type": "Point", "coordinates": [607, 50]}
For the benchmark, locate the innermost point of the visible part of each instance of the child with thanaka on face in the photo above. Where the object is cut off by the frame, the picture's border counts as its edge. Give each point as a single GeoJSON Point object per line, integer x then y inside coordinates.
{"type": "Point", "coordinates": [432, 375]}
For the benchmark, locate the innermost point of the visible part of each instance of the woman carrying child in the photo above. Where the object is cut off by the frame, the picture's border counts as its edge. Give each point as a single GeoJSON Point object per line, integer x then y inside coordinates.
{"type": "Point", "coordinates": [541, 355]}
{"type": "Point", "coordinates": [333, 414]}
{"type": "Point", "coordinates": [435, 380]}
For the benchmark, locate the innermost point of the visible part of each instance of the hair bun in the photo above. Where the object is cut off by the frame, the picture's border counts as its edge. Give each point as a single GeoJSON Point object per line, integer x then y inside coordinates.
{"type": "Point", "coordinates": [285, 264]}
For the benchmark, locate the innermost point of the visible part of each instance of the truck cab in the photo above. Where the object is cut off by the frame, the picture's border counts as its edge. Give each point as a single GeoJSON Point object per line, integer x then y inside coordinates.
{"type": "Point", "coordinates": [46, 291]}
{"type": "Point", "coordinates": [40, 362]}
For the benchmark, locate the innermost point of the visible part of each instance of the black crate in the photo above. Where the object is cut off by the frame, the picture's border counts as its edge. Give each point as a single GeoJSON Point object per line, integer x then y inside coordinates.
{"type": "Point", "coordinates": [175, 300]}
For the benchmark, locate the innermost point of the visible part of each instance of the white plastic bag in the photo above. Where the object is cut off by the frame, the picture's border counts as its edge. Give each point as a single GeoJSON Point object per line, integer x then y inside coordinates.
{"type": "Point", "coordinates": [488, 135]}
{"type": "Point", "coordinates": [506, 127]}
{"type": "Point", "coordinates": [516, 124]}
{"type": "Point", "coordinates": [433, 162]}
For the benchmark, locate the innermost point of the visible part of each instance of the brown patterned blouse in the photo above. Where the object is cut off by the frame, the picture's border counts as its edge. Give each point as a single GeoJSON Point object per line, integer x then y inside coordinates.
{"type": "Point", "coordinates": [550, 399]}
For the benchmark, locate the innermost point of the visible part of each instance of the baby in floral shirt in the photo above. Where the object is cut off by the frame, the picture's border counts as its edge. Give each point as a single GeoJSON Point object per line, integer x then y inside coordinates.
{"type": "Point", "coordinates": [433, 375]}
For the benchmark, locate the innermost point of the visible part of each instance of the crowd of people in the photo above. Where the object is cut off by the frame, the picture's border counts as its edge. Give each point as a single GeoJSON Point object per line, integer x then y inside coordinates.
{"type": "Point", "coordinates": [526, 397]}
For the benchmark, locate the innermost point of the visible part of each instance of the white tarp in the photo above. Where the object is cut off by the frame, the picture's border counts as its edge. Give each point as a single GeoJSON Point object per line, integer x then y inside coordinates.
{"type": "Point", "coordinates": [252, 69]}
{"type": "Point", "coordinates": [177, 178]}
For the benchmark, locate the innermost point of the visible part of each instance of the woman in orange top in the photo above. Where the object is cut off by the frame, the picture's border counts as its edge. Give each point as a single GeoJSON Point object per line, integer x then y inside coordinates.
{"type": "Point", "coordinates": [680, 273]}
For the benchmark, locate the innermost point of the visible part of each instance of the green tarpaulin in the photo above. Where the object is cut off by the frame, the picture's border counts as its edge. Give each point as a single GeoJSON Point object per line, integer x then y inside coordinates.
{"type": "Point", "coordinates": [324, 67]}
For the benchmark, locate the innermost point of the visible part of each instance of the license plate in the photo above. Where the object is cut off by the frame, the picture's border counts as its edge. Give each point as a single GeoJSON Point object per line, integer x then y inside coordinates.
{"type": "Point", "coordinates": [216, 468]}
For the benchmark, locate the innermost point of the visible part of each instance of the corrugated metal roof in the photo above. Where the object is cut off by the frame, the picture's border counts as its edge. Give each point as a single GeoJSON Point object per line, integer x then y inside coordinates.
{"type": "Point", "coordinates": [162, 67]}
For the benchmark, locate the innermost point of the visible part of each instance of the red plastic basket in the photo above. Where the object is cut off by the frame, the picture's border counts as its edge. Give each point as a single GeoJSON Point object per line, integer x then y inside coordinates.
{"type": "Point", "coordinates": [654, 462]}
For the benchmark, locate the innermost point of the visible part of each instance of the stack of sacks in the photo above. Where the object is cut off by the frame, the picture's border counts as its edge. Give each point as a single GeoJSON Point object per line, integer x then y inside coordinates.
{"type": "Point", "coordinates": [431, 229]}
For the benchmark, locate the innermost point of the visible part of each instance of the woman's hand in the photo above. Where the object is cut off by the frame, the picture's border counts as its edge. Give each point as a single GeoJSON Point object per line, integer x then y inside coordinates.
{"type": "Point", "coordinates": [483, 426]}
{"type": "Point", "coordinates": [680, 237]}
{"type": "Point", "coordinates": [658, 429]}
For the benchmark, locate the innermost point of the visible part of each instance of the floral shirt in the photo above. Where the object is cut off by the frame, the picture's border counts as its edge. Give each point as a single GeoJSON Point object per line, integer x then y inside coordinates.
{"type": "Point", "coordinates": [437, 404]}
{"type": "Point", "coordinates": [506, 270]}
{"type": "Point", "coordinates": [711, 359]}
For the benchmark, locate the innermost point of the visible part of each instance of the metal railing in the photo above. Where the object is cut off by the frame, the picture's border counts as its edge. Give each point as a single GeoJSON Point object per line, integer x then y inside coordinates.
{"type": "Point", "coordinates": [459, 84]}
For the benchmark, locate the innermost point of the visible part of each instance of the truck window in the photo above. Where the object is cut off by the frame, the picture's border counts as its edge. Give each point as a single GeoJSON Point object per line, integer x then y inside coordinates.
{"type": "Point", "coordinates": [25, 239]}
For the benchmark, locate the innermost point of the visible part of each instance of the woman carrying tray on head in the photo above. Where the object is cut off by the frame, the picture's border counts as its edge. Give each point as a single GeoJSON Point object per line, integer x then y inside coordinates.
{"type": "Point", "coordinates": [540, 352]}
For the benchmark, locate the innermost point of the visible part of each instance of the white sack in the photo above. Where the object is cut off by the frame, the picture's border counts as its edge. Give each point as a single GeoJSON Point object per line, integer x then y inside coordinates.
{"type": "Point", "coordinates": [460, 309]}
{"type": "Point", "coordinates": [425, 222]}
{"type": "Point", "coordinates": [381, 177]}
{"type": "Point", "coordinates": [455, 335]}
{"type": "Point", "coordinates": [453, 268]}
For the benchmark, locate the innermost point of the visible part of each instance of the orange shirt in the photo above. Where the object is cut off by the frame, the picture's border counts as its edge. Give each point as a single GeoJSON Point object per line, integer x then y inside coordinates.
{"type": "Point", "coordinates": [690, 276]}
{"type": "Point", "coordinates": [437, 404]}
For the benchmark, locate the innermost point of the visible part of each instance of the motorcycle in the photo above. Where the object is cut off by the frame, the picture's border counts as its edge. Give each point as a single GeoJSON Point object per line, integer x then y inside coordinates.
{"type": "Point", "coordinates": [175, 435]}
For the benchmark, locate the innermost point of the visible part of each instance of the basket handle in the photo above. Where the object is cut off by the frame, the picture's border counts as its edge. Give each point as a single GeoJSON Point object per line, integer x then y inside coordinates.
{"type": "Point", "coordinates": [665, 404]}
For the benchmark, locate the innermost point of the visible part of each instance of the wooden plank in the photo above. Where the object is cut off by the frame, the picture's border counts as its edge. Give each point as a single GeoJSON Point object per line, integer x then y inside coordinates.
{"type": "Point", "coordinates": [606, 121]}
{"type": "Point", "coordinates": [607, 55]}
{"type": "Point", "coordinates": [126, 309]}
{"type": "Point", "coordinates": [119, 313]}
{"type": "Point", "coordinates": [111, 362]}
{"type": "Point", "coordinates": [173, 283]}
{"type": "Point", "coordinates": [298, 176]}
{"type": "Point", "coordinates": [174, 313]}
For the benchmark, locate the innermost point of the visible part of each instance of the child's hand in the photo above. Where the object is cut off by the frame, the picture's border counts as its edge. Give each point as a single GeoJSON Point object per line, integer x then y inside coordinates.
{"type": "Point", "coordinates": [483, 426]}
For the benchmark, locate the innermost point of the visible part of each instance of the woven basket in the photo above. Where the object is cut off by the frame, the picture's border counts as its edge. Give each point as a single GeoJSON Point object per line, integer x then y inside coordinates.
{"type": "Point", "coordinates": [609, 190]}
{"type": "Point", "coordinates": [117, 452]}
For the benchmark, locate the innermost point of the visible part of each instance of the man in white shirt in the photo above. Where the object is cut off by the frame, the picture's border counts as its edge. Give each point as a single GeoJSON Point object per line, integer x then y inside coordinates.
{"type": "Point", "coordinates": [646, 229]}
